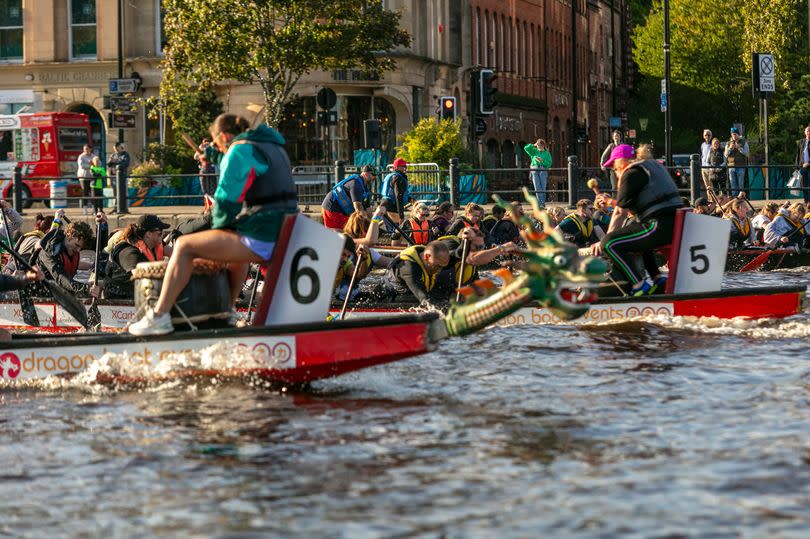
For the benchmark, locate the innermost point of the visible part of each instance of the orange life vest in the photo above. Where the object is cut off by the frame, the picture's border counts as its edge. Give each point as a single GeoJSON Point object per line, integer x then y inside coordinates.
{"type": "Point", "coordinates": [420, 231]}
{"type": "Point", "coordinates": [155, 256]}
{"type": "Point", "coordinates": [71, 263]}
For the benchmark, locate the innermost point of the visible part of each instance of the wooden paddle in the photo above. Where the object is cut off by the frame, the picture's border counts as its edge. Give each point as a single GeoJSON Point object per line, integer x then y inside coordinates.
{"type": "Point", "coordinates": [464, 247]}
{"type": "Point", "coordinates": [93, 314]}
{"type": "Point", "coordinates": [253, 293]}
{"type": "Point", "coordinates": [63, 297]}
{"type": "Point", "coordinates": [351, 286]}
{"type": "Point", "coordinates": [393, 225]}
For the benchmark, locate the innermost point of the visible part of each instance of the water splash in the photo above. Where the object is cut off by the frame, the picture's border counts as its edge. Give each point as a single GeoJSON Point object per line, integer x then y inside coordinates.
{"type": "Point", "coordinates": [795, 327]}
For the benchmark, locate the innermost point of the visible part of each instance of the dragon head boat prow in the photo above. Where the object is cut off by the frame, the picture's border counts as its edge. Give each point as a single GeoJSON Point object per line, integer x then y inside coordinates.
{"type": "Point", "coordinates": [553, 274]}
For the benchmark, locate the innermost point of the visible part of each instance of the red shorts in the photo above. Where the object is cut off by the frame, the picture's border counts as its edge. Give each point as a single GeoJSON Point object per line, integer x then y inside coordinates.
{"type": "Point", "coordinates": [334, 219]}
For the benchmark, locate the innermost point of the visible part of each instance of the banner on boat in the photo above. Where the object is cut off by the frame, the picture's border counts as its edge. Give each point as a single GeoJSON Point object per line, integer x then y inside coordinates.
{"type": "Point", "coordinates": [39, 362]}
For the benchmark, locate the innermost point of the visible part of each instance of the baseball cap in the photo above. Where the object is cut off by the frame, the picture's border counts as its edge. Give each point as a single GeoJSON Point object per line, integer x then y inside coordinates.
{"type": "Point", "coordinates": [622, 151]}
{"type": "Point", "coordinates": [151, 222]}
{"type": "Point", "coordinates": [735, 130]}
{"type": "Point", "coordinates": [701, 201]}
{"type": "Point", "coordinates": [400, 162]}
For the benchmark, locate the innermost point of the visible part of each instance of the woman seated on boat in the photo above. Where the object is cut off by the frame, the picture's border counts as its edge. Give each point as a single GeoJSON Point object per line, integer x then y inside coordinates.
{"type": "Point", "coordinates": [761, 220]}
{"type": "Point", "coordinates": [28, 243]}
{"type": "Point", "coordinates": [364, 232]}
{"type": "Point", "coordinates": [742, 232]}
{"type": "Point", "coordinates": [787, 228]}
{"type": "Point", "coordinates": [578, 227]}
{"type": "Point", "coordinates": [441, 219]}
{"type": "Point", "coordinates": [417, 227]}
{"type": "Point", "coordinates": [473, 213]}
{"type": "Point", "coordinates": [15, 222]}
{"type": "Point", "coordinates": [255, 194]}
{"type": "Point", "coordinates": [141, 241]}
{"type": "Point", "coordinates": [60, 258]}
{"type": "Point", "coordinates": [476, 255]}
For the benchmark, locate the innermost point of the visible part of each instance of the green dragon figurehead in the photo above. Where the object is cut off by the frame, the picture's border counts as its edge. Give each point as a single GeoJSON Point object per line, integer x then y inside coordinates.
{"type": "Point", "coordinates": [553, 275]}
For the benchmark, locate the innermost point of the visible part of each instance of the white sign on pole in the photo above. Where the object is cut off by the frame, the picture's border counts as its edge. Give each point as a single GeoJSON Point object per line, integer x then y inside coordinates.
{"type": "Point", "coordinates": [767, 73]}
{"type": "Point", "coordinates": [304, 287]}
{"type": "Point", "coordinates": [663, 86]}
{"type": "Point", "coordinates": [702, 256]}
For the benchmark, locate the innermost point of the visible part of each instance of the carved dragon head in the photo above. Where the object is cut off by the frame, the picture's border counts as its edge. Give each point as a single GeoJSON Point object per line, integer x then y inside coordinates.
{"type": "Point", "coordinates": [553, 274]}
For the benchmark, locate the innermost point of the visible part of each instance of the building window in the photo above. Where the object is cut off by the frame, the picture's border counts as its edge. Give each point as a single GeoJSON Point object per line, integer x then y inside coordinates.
{"type": "Point", "coordinates": [160, 31]}
{"type": "Point", "coordinates": [11, 30]}
{"type": "Point", "coordinates": [82, 28]}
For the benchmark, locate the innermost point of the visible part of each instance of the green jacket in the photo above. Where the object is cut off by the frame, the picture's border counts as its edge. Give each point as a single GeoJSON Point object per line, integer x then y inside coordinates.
{"type": "Point", "coordinates": [100, 173]}
{"type": "Point", "coordinates": [240, 162]}
{"type": "Point", "coordinates": [540, 159]}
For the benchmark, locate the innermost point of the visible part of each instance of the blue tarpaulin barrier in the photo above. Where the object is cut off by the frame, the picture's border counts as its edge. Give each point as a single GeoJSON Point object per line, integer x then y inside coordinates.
{"type": "Point", "coordinates": [472, 189]}
{"type": "Point", "coordinates": [146, 196]}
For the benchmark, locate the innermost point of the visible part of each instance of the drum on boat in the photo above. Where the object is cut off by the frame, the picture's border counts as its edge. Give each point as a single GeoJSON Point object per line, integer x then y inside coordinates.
{"type": "Point", "coordinates": [207, 295]}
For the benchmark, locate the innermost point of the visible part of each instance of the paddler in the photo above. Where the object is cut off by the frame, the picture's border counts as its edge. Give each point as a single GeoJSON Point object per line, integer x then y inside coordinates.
{"type": "Point", "coordinates": [394, 191]}
{"type": "Point", "coordinates": [742, 232]}
{"type": "Point", "coordinates": [413, 273]}
{"type": "Point", "coordinates": [508, 228]}
{"type": "Point", "coordinates": [647, 190]}
{"type": "Point", "coordinates": [477, 255]}
{"type": "Point", "coordinates": [17, 282]}
{"type": "Point", "coordinates": [766, 214]}
{"type": "Point", "coordinates": [141, 241]}
{"type": "Point", "coordinates": [578, 227]}
{"type": "Point", "coordinates": [473, 213]}
{"type": "Point", "coordinates": [349, 195]}
{"type": "Point", "coordinates": [254, 195]}
{"type": "Point", "coordinates": [60, 258]}
{"type": "Point", "coordinates": [788, 227]}
{"type": "Point", "coordinates": [490, 220]}
{"type": "Point", "coordinates": [417, 227]}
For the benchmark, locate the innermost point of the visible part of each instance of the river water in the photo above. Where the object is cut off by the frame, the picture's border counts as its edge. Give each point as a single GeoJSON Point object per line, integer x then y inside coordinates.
{"type": "Point", "coordinates": [660, 428]}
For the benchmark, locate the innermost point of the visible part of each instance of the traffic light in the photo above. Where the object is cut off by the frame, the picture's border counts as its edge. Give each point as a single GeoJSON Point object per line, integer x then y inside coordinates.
{"type": "Point", "coordinates": [447, 108]}
{"type": "Point", "coordinates": [487, 91]}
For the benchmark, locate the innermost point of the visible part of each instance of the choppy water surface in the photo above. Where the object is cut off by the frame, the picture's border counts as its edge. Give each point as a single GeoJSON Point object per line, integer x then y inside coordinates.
{"type": "Point", "coordinates": [660, 428]}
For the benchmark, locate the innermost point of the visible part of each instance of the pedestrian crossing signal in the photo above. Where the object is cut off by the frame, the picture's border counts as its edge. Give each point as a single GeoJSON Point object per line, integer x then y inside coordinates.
{"type": "Point", "coordinates": [487, 91]}
{"type": "Point", "coordinates": [447, 108]}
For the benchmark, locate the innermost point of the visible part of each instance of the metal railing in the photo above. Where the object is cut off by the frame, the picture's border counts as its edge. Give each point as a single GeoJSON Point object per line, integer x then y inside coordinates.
{"type": "Point", "coordinates": [431, 183]}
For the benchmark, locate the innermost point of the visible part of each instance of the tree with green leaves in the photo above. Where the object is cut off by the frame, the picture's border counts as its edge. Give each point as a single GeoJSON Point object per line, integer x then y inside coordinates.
{"type": "Point", "coordinates": [432, 141]}
{"type": "Point", "coordinates": [273, 43]}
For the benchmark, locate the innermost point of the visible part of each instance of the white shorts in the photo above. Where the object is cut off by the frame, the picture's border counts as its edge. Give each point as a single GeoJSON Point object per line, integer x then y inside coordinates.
{"type": "Point", "coordinates": [262, 249]}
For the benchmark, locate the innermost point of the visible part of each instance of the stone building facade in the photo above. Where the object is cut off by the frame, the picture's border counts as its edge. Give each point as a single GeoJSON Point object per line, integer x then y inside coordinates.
{"type": "Point", "coordinates": [61, 55]}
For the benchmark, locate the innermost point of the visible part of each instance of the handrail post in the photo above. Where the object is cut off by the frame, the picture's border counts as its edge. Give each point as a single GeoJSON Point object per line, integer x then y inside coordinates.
{"type": "Point", "coordinates": [695, 177]}
{"type": "Point", "coordinates": [340, 173]}
{"type": "Point", "coordinates": [453, 173]}
{"type": "Point", "coordinates": [573, 177]}
{"type": "Point", "coordinates": [16, 190]}
{"type": "Point", "coordinates": [121, 194]}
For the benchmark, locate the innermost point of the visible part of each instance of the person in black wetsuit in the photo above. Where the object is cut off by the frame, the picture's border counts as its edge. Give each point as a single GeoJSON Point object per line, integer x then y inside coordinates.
{"type": "Point", "coordinates": [647, 190]}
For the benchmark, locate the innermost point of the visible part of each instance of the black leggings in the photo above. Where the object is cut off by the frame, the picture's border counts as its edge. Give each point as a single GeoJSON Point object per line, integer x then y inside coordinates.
{"type": "Point", "coordinates": [624, 245]}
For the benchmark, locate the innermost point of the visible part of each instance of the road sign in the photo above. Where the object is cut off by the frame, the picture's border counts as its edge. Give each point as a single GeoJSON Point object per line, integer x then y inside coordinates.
{"type": "Point", "coordinates": [663, 102]}
{"type": "Point", "coordinates": [663, 86]}
{"type": "Point", "coordinates": [631, 133]}
{"type": "Point", "coordinates": [642, 123]}
{"type": "Point", "coordinates": [123, 86]}
{"type": "Point", "coordinates": [480, 127]}
{"type": "Point", "coordinates": [614, 122]}
{"type": "Point", "coordinates": [326, 98]}
{"type": "Point", "coordinates": [123, 104]}
{"type": "Point", "coordinates": [327, 117]}
{"type": "Point", "coordinates": [122, 120]}
{"type": "Point", "coordinates": [767, 72]}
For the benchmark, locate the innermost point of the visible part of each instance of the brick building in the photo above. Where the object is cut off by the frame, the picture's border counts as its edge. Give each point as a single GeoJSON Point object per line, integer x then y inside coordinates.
{"type": "Point", "coordinates": [60, 56]}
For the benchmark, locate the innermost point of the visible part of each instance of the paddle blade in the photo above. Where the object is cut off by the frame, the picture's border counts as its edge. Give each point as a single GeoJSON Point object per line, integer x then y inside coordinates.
{"type": "Point", "coordinates": [72, 305]}
{"type": "Point", "coordinates": [29, 312]}
{"type": "Point", "coordinates": [756, 263]}
{"type": "Point", "coordinates": [93, 316]}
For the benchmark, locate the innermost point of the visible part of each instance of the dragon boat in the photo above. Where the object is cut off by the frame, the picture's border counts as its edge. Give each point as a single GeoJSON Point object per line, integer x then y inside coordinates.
{"type": "Point", "coordinates": [305, 348]}
{"type": "Point", "coordinates": [763, 259]}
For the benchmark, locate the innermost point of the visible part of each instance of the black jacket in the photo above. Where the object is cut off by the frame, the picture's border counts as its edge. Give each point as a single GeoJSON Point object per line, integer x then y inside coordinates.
{"type": "Point", "coordinates": [50, 260]}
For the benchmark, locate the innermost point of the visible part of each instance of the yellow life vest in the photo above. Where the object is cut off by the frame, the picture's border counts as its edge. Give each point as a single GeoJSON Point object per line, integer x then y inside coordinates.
{"type": "Point", "coordinates": [344, 270]}
{"type": "Point", "coordinates": [469, 269]}
{"type": "Point", "coordinates": [414, 254]}
{"type": "Point", "coordinates": [585, 229]}
{"type": "Point", "coordinates": [744, 227]}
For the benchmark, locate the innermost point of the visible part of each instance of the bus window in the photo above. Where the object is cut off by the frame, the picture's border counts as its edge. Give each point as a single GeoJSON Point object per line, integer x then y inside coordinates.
{"type": "Point", "coordinates": [72, 139]}
{"type": "Point", "coordinates": [6, 146]}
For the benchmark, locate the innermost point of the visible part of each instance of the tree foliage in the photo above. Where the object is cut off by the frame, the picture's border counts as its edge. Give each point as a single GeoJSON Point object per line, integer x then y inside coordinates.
{"type": "Point", "coordinates": [431, 141]}
{"type": "Point", "coordinates": [274, 43]}
{"type": "Point", "coordinates": [711, 47]}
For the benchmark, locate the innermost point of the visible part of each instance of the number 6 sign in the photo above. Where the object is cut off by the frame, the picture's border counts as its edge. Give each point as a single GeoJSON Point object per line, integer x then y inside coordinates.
{"type": "Point", "coordinates": [701, 256]}
{"type": "Point", "coordinates": [301, 274]}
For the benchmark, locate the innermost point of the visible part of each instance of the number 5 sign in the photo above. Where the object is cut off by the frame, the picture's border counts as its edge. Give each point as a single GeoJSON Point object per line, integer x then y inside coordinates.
{"type": "Point", "coordinates": [299, 285]}
{"type": "Point", "coordinates": [701, 253]}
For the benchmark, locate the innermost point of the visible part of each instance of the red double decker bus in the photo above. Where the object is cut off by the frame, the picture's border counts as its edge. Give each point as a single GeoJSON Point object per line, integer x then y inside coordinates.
{"type": "Point", "coordinates": [46, 145]}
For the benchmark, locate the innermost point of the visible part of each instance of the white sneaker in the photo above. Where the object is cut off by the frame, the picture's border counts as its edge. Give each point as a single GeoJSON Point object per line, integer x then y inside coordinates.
{"type": "Point", "coordinates": [152, 324]}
